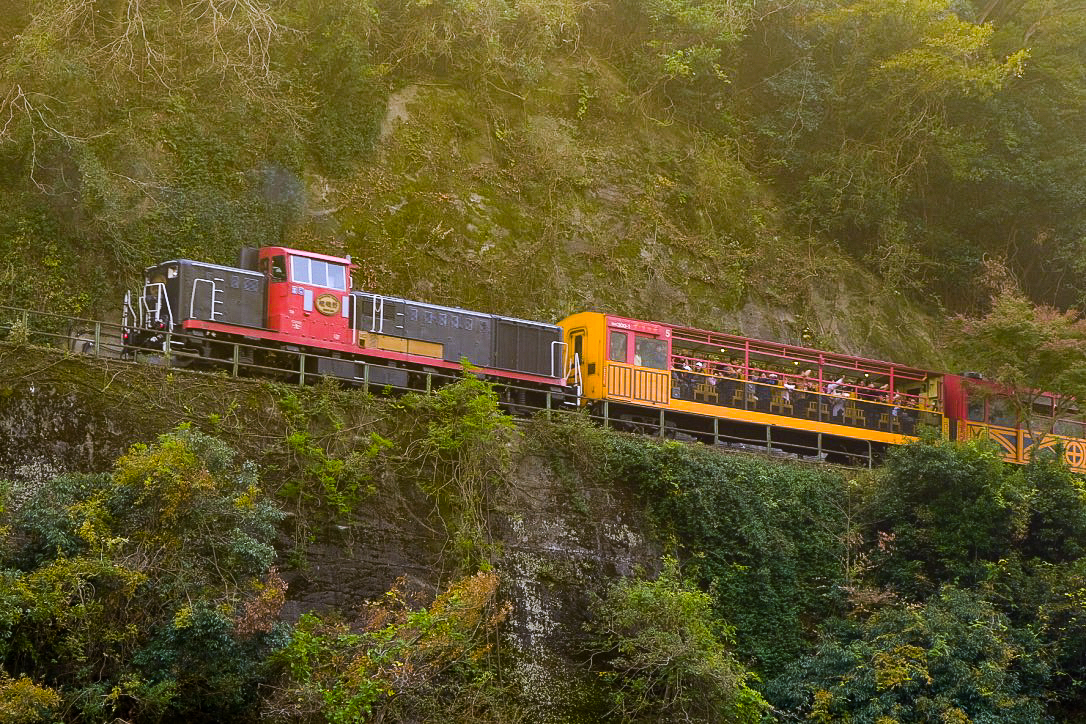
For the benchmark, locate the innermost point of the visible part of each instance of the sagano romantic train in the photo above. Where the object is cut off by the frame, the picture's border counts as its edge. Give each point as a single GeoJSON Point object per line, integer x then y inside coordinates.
{"type": "Point", "coordinates": [292, 313]}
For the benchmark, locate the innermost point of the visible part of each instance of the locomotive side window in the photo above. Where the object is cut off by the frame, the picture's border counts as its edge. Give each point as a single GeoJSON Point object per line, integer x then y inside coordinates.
{"type": "Point", "coordinates": [653, 352]}
{"type": "Point", "coordinates": [616, 349]}
{"type": "Point", "coordinates": [976, 409]}
{"type": "Point", "coordinates": [337, 276]}
{"type": "Point", "coordinates": [279, 268]}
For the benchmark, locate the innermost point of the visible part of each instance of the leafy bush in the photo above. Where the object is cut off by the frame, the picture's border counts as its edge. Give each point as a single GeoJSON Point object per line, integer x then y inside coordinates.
{"type": "Point", "coordinates": [396, 661]}
{"type": "Point", "coordinates": [771, 538]}
{"type": "Point", "coordinates": [953, 658]}
{"type": "Point", "coordinates": [24, 702]}
{"type": "Point", "coordinates": [456, 445]}
{"type": "Point", "coordinates": [944, 510]}
{"type": "Point", "coordinates": [332, 446]}
{"type": "Point", "coordinates": [680, 53]}
{"type": "Point", "coordinates": [498, 40]}
{"type": "Point", "coordinates": [140, 594]}
{"type": "Point", "coordinates": [659, 645]}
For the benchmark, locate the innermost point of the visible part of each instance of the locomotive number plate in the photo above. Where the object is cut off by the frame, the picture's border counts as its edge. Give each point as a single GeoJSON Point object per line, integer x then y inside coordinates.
{"type": "Point", "coordinates": [327, 304]}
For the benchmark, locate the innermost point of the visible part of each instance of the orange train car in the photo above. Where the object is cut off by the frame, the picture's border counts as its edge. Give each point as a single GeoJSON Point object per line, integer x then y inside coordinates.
{"type": "Point", "coordinates": [731, 390]}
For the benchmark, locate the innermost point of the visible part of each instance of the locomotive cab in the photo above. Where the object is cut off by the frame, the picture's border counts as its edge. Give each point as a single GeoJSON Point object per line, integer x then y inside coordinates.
{"type": "Point", "coordinates": [308, 294]}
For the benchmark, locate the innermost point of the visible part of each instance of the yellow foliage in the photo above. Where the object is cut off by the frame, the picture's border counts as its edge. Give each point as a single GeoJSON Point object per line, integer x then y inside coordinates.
{"type": "Point", "coordinates": [22, 701]}
{"type": "Point", "coordinates": [903, 665]}
{"type": "Point", "coordinates": [821, 710]}
{"type": "Point", "coordinates": [955, 716]}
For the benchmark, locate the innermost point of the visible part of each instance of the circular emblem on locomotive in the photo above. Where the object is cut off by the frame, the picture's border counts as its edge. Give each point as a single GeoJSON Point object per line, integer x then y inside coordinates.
{"type": "Point", "coordinates": [1075, 454]}
{"type": "Point", "coordinates": [327, 304]}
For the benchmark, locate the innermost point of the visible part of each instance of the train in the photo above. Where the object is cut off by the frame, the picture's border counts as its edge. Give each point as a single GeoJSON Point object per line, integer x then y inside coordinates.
{"type": "Point", "coordinates": [293, 312]}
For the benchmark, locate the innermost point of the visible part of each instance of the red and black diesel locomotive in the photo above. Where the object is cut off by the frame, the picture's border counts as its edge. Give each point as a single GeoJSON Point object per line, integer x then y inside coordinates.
{"type": "Point", "coordinates": [292, 312]}
{"type": "Point", "coordinates": [283, 303]}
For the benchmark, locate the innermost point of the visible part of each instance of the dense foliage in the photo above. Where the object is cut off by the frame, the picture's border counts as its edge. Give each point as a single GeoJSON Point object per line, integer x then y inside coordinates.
{"type": "Point", "coordinates": [666, 655]}
{"type": "Point", "coordinates": [1033, 355]}
{"type": "Point", "coordinates": [946, 586]}
{"type": "Point", "coordinates": [671, 159]}
{"type": "Point", "coordinates": [915, 141]}
{"type": "Point", "coordinates": [147, 593]}
{"type": "Point", "coordinates": [398, 662]}
{"type": "Point", "coordinates": [939, 588]}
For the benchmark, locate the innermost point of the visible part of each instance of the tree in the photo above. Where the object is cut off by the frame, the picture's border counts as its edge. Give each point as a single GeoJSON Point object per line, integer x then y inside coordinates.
{"type": "Point", "coordinates": [955, 658]}
{"type": "Point", "coordinates": [944, 511]}
{"type": "Point", "coordinates": [1031, 353]}
{"type": "Point", "coordinates": [398, 660]}
{"type": "Point", "coordinates": [147, 593]}
{"type": "Point", "coordinates": [666, 654]}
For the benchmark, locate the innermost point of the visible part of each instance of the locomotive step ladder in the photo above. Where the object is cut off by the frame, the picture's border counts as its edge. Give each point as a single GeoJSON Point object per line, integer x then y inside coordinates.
{"type": "Point", "coordinates": [216, 301]}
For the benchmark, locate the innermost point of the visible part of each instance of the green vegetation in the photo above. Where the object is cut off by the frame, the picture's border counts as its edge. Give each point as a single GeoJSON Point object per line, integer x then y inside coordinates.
{"type": "Point", "coordinates": [399, 662]}
{"type": "Point", "coordinates": [854, 167]}
{"type": "Point", "coordinates": [937, 588]}
{"type": "Point", "coordinates": [143, 593]}
{"type": "Point", "coordinates": [666, 655]}
{"type": "Point", "coordinates": [676, 159]}
{"type": "Point", "coordinates": [952, 658]}
{"type": "Point", "coordinates": [1035, 355]}
{"type": "Point", "coordinates": [757, 532]}
{"type": "Point", "coordinates": [944, 586]}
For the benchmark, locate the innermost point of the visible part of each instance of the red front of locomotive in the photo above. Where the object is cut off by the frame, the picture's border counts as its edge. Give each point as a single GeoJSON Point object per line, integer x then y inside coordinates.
{"type": "Point", "coordinates": [308, 295]}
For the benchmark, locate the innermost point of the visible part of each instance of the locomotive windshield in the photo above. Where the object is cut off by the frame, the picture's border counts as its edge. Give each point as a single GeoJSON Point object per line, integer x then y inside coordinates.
{"type": "Point", "coordinates": [304, 270]}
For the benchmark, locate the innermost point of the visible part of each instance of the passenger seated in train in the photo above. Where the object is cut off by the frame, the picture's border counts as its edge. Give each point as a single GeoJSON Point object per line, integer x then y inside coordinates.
{"type": "Point", "coordinates": [789, 387]}
{"type": "Point", "coordinates": [725, 383]}
{"type": "Point", "coordinates": [757, 390]}
{"type": "Point", "coordinates": [682, 380]}
{"type": "Point", "coordinates": [837, 390]}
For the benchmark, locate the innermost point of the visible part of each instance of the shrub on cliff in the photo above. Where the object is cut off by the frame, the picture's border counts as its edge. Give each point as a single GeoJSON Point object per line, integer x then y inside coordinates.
{"type": "Point", "coordinates": [146, 593]}
{"type": "Point", "coordinates": [398, 660]}
{"type": "Point", "coordinates": [658, 644]}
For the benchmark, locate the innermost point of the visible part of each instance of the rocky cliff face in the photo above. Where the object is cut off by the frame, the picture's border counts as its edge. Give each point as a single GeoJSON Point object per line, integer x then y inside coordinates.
{"type": "Point", "coordinates": [556, 539]}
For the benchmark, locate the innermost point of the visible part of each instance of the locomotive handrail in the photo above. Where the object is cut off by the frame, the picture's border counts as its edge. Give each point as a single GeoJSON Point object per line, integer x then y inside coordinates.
{"type": "Point", "coordinates": [373, 308]}
{"type": "Point", "coordinates": [192, 298]}
{"type": "Point", "coordinates": [160, 296]}
{"type": "Point", "coordinates": [126, 310]}
{"type": "Point", "coordinates": [575, 372]}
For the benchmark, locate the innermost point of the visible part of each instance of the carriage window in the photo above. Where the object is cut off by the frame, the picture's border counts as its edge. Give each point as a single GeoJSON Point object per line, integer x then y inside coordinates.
{"type": "Point", "coordinates": [616, 349]}
{"type": "Point", "coordinates": [1069, 428]}
{"type": "Point", "coordinates": [1001, 412]}
{"type": "Point", "coordinates": [1041, 413]}
{"type": "Point", "coordinates": [976, 409]}
{"type": "Point", "coordinates": [652, 352]}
